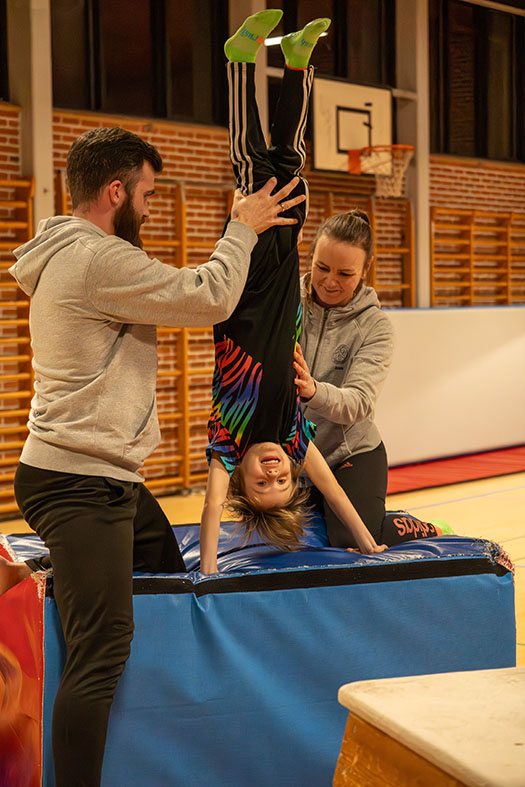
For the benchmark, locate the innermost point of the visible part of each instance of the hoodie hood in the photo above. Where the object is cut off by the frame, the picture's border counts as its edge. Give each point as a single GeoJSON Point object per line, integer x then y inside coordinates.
{"type": "Point", "coordinates": [52, 235]}
{"type": "Point", "coordinates": [365, 298]}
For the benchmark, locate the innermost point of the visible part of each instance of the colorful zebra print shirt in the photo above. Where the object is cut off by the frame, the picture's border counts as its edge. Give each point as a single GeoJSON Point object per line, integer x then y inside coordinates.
{"type": "Point", "coordinates": [254, 394]}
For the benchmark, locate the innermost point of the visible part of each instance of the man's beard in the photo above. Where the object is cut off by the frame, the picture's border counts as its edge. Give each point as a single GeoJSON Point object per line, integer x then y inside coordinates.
{"type": "Point", "coordinates": [127, 223]}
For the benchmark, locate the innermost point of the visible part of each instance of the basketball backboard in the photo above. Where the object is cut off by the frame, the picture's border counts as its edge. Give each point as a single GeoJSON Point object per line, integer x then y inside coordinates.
{"type": "Point", "coordinates": [345, 117]}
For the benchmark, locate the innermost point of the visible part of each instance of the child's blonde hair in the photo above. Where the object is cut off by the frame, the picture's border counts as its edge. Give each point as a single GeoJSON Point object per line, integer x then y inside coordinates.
{"type": "Point", "coordinates": [281, 526]}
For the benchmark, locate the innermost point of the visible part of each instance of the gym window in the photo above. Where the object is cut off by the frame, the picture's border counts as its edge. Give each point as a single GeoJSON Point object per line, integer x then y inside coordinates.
{"type": "Point", "coordinates": [359, 45]}
{"type": "Point", "coordinates": [137, 57]}
{"type": "Point", "coordinates": [477, 63]}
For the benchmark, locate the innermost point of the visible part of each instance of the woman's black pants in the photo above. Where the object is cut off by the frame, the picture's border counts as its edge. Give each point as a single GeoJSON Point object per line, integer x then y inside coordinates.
{"type": "Point", "coordinates": [364, 478]}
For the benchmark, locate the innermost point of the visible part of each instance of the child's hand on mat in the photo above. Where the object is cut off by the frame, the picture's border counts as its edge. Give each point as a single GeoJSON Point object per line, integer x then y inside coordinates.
{"type": "Point", "coordinates": [211, 568]}
{"type": "Point", "coordinates": [371, 551]}
{"type": "Point", "coordinates": [262, 209]}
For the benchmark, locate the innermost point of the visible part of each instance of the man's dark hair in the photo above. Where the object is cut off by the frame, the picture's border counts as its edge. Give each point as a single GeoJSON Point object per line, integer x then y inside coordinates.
{"type": "Point", "coordinates": [105, 154]}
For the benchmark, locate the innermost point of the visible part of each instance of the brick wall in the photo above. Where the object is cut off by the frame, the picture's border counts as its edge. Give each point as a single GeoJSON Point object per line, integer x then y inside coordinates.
{"type": "Point", "coordinates": [476, 184]}
{"type": "Point", "coordinates": [490, 269]}
{"type": "Point", "coordinates": [9, 140]}
{"type": "Point", "coordinates": [14, 358]}
{"type": "Point", "coordinates": [9, 160]}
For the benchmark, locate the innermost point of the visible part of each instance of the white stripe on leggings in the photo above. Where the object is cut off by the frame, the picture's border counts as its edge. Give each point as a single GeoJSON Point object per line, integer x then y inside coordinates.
{"type": "Point", "coordinates": [244, 145]}
{"type": "Point", "coordinates": [240, 158]}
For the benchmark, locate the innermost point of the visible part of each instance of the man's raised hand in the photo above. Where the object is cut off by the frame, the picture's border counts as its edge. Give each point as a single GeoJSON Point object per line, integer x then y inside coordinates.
{"type": "Point", "coordinates": [263, 209]}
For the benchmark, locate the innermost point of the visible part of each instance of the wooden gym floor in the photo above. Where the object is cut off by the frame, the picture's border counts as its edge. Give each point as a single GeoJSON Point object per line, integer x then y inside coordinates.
{"type": "Point", "coordinates": [491, 508]}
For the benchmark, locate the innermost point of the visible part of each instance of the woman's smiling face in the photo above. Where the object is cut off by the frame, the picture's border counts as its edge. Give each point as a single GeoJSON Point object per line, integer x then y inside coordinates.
{"type": "Point", "coordinates": [337, 269]}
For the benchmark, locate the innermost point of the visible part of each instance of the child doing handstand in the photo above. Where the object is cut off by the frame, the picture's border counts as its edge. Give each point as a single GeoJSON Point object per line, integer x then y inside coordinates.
{"type": "Point", "coordinates": [259, 440]}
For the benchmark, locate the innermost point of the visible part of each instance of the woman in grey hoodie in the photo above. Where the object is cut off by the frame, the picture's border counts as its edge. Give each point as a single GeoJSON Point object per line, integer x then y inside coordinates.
{"type": "Point", "coordinates": [347, 345]}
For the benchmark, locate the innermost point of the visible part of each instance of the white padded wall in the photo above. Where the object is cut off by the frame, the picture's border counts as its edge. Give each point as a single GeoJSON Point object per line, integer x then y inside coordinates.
{"type": "Point", "coordinates": [457, 382]}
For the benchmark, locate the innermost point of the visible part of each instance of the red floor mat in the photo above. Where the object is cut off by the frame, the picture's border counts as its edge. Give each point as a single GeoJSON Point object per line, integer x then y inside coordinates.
{"type": "Point", "coordinates": [456, 470]}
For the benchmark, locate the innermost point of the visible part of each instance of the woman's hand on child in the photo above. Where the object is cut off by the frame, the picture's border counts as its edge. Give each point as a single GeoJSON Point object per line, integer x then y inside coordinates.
{"type": "Point", "coordinates": [304, 381]}
{"type": "Point", "coordinates": [262, 209]}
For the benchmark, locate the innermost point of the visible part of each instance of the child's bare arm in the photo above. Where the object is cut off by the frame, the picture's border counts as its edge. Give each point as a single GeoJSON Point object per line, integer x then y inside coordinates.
{"type": "Point", "coordinates": [323, 478]}
{"type": "Point", "coordinates": [216, 491]}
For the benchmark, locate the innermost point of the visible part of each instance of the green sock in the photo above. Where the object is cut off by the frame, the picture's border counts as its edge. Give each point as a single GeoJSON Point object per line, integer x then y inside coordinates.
{"type": "Point", "coordinates": [445, 528]}
{"type": "Point", "coordinates": [297, 47]}
{"type": "Point", "coordinates": [243, 46]}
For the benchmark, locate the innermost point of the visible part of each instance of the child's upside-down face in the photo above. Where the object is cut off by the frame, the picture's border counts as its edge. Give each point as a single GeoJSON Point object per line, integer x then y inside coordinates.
{"type": "Point", "coordinates": [267, 476]}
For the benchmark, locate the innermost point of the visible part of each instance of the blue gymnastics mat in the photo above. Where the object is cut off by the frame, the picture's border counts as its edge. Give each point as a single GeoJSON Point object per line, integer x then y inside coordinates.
{"type": "Point", "coordinates": [233, 678]}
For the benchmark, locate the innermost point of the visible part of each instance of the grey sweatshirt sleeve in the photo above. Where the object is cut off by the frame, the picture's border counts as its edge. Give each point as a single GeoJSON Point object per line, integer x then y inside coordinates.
{"type": "Point", "coordinates": [125, 285]}
{"type": "Point", "coordinates": [366, 373]}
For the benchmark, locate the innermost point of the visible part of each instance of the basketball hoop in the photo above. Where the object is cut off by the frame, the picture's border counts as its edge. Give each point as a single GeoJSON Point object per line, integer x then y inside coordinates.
{"type": "Point", "coordinates": [387, 162]}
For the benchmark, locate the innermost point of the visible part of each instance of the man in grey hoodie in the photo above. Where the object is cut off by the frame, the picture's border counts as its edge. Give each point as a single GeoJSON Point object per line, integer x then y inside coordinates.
{"type": "Point", "coordinates": [96, 299]}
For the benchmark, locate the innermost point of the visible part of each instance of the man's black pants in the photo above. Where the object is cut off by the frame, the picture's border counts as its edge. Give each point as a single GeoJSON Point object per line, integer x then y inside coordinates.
{"type": "Point", "coordinates": [97, 531]}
